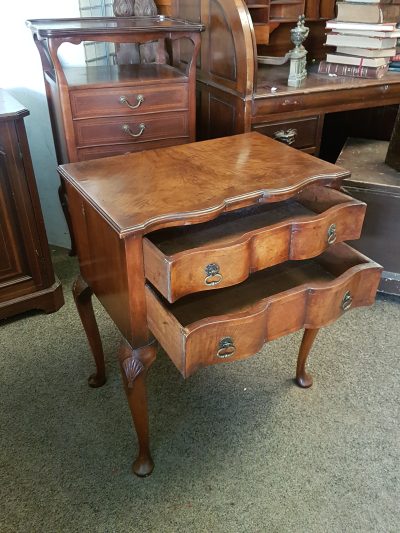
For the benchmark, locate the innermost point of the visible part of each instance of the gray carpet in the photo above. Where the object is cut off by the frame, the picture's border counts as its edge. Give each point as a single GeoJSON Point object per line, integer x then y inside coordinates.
{"type": "Point", "coordinates": [238, 447]}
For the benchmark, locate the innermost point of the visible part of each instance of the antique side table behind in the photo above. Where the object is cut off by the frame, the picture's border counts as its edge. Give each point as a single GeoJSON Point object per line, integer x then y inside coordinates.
{"type": "Point", "coordinates": [103, 110]}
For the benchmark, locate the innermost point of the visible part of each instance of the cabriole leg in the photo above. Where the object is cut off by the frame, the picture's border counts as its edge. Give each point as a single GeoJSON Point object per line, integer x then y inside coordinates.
{"type": "Point", "coordinates": [303, 379]}
{"type": "Point", "coordinates": [134, 365]}
{"type": "Point", "coordinates": [83, 300]}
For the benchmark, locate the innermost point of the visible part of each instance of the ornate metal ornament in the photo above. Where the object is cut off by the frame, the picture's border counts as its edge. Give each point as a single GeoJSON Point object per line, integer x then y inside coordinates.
{"type": "Point", "coordinates": [213, 276]}
{"type": "Point", "coordinates": [226, 348]}
{"type": "Point", "coordinates": [332, 234]}
{"type": "Point", "coordinates": [127, 129]}
{"type": "Point", "coordinates": [298, 61]}
{"type": "Point", "coordinates": [347, 301]}
{"type": "Point", "coordinates": [286, 136]}
{"type": "Point", "coordinates": [139, 101]}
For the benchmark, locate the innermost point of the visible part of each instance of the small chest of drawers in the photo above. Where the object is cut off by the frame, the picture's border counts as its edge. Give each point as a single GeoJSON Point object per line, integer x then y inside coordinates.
{"type": "Point", "coordinates": [104, 110]}
{"type": "Point", "coordinates": [213, 249]}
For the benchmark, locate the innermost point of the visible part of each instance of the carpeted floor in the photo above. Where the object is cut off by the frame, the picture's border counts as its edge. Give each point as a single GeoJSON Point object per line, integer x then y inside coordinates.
{"type": "Point", "coordinates": [238, 447]}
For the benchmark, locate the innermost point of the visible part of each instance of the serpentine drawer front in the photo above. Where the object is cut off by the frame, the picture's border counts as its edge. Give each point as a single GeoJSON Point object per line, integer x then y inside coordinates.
{"type": "Point", "coordinates": [225, 251]}
{"type": "Point", "coordinates": [213, 327]}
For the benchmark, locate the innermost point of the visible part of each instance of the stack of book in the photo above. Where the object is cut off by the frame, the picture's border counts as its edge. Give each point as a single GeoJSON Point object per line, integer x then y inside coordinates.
{"type": "Point", "coordinates": [365, 36]}
{"type": "Point", "coordinates": [394, 64]}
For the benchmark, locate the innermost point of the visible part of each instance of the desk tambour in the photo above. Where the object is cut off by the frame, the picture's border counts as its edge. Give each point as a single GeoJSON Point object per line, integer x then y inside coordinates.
{"type": "Point", "coordinates": [213, 248]}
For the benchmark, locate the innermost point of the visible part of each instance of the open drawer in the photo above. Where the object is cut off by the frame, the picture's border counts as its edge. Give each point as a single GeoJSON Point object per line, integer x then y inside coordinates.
{"type": "Point", "coordinates": [224, 251]}
{"type": "Point", "coordinates": [235, 322]}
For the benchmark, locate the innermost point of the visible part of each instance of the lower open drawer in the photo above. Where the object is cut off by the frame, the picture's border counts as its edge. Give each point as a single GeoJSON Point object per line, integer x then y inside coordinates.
{"type": "Point", "coordinates": [233, 323]}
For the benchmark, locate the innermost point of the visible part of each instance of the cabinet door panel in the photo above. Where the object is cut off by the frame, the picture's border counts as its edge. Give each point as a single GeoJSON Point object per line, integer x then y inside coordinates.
{"type": "Point", "coordinates": [18, 272]}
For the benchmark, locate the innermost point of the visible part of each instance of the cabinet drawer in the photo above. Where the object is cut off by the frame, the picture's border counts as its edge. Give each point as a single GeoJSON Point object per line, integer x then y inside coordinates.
{"type": "Point", "coordinates": [234, 323]}
{"type": "Point", "coordinates": [150, 127]}
{"type": "Point", "coordinates": [303, 133]}
{"type": "Point", "coordinates": [224, 251]}
{"type": "Point", "coordinates": [97, 152]}
{"type": "Point", "coordinates": [96, 103]}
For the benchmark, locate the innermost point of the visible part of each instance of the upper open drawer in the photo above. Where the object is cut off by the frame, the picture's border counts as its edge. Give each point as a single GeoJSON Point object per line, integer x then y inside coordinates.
{"type": "Point", "coordinates": [224, 251]}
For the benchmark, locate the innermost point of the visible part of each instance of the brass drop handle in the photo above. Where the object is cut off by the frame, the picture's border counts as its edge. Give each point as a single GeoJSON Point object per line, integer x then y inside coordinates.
{"type": "Point", "coordinates": [139, 101]}
{"type": "Point", "coordinates": [128, 130]}
{"type": "Point", "coordinates": [347, 301]}
{"type": "Point", "coordinates": [286, 136]}
{"type": "Point", "coordinates": [213, 275]}
{"type": "Point", "coordinates": [332, 234]}
{"type": "Point", "coordinates": [226, 348]}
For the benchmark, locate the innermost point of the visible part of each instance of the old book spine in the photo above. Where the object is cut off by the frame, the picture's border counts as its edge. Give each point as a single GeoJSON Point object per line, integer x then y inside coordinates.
{"type": "Point", "coordinates": [326, 67]}
{"type": "Point", "coordinates": [368, 13]}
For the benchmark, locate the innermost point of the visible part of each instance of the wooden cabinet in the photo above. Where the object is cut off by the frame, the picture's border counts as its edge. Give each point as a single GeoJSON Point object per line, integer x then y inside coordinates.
{"type": "Point", "coordinates": [27, 279]}
{"type": "Point", "coordinates": [213, 249]}
{"type": "Point", "coordinates": [98, 111]}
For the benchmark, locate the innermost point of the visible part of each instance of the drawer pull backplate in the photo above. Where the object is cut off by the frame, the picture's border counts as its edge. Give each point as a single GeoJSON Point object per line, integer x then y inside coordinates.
{"type": "Point", "coordinates": [286, 136]}
{"type": "Point", "coordinates": [213, 275]}
{"type": "Point", "coordinates": [139, 101]}
{"type": "Point", "coordinates": [128, 130]}
{"type": "Point", "coordinates": [332, 234]}
{"type": "Point", "coordinates": [347, 301]}
{"type": "Point", "coordinates": [226, 348]}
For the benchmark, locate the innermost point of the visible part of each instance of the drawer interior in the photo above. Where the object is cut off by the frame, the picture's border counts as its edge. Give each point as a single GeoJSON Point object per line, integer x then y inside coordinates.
{"type": "Point", "coordinates": [265, 283]}
{"type": "Point", "coordinates": [231, 226]}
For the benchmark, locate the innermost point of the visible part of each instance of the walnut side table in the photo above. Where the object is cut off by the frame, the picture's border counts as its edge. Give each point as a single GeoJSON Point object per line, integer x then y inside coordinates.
{"type": "Point", "coordinates": [212, 249]}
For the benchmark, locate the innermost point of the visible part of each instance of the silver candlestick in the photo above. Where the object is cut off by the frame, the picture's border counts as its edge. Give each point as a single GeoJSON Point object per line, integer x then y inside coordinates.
{"type": "Point", "coordinates": [298, 55]}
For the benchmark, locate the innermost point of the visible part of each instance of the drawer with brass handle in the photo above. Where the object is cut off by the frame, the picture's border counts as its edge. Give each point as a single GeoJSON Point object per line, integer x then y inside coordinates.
{"type": "Point", "coordinates": [108, 150]}
{"type": "Point", "coordinates": [124, 101]}
{"type": "Point", "coordinates": [105, 131]}
{"type": "Point", "coordinates": [225, 251]}
{"type": "Point", "coordinates": [304, 133]}
{"type": "Point", "coordinates": [212, 327]}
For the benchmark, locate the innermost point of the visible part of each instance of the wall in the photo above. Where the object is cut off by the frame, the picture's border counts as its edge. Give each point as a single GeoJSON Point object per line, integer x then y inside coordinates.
{"type": "Point", "coordinates": [21, 75]}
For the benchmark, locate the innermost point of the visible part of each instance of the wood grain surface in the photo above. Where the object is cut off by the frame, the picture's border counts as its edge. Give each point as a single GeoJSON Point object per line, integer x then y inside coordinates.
{"type": "Point", "coordinates": [195, 182]}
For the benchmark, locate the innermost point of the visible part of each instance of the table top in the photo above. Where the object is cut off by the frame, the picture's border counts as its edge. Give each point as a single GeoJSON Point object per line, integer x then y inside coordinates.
{"type": "Point", "coordinates": [272, 82]}
{"type": "Point", "coordinates": [97, 26]}
{"type": "Point", "coordinates": [191, 183]}
{"type": "Point", "coordinates": [10, 108]}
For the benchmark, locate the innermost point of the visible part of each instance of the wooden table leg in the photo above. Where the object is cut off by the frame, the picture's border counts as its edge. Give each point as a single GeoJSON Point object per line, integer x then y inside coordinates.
{"type": "Point", "coordinates": [303, 379]}
{"type": "Point", "coordinates": [64, 205]}
{"type": "Point", "coordinates": [135, 364]}
{"type": "Point", "coordinates": [393, 153]}
{"type": "Point", "coordinates": [83, 300]}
